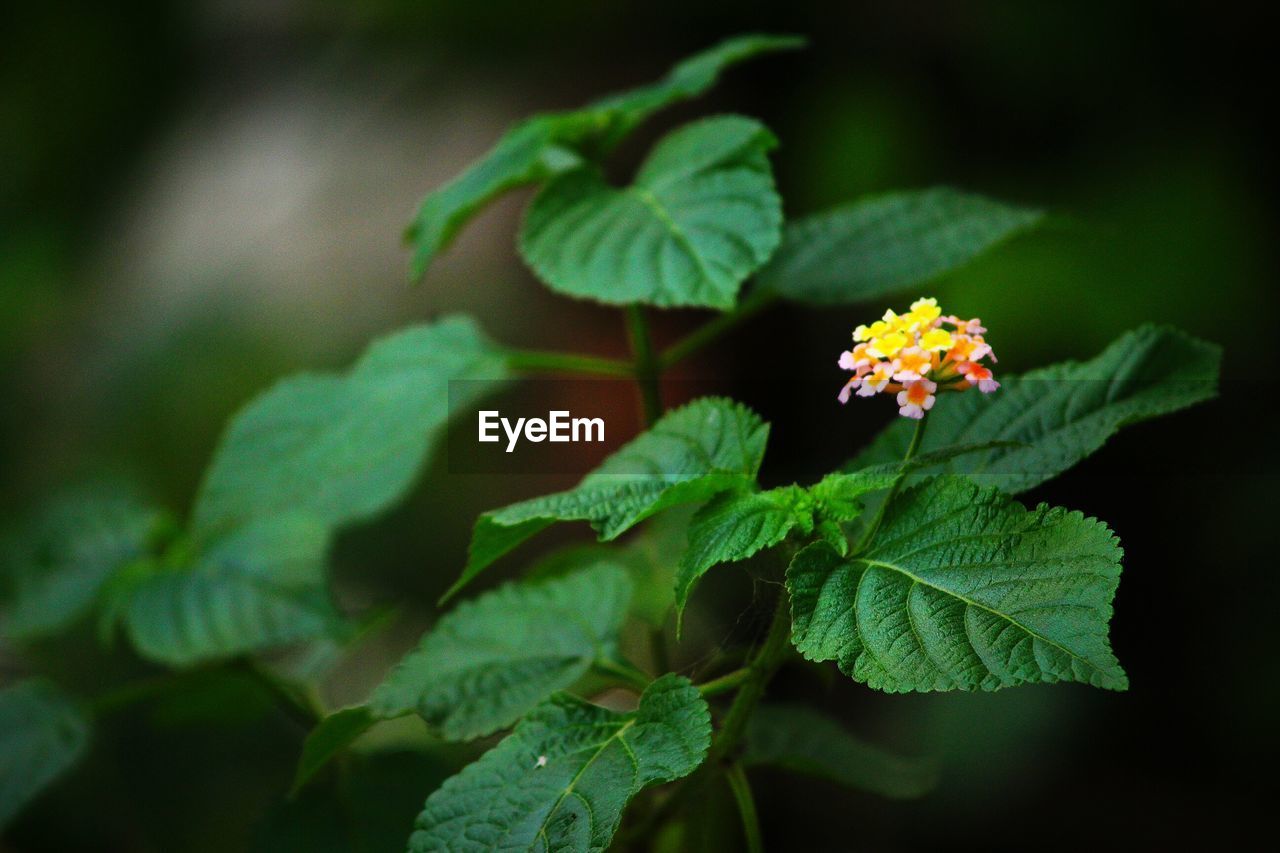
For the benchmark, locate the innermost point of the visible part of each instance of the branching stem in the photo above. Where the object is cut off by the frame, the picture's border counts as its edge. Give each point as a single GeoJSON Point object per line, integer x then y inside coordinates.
{"type": "Point", "coordinates": [768, 656]}
{"type": "Point", "coordinates": [741, 788]}
{"type": "Point", "coordinates": [724, 683]}
{"type": "Point", "coordinates": [625, 673]}
{"type": "Point", "coordinates": [647, 369]}
{"type": "Point", "coordinates": [543, 361]}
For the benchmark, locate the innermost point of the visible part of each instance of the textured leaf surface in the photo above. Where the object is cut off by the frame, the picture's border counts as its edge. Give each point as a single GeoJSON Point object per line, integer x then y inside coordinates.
{"type": "Point", "coordinates": [342, 448]}
{"type": "Point", "coordinates": [57, 568]}
{"type": "Point", "coordinates": [259, 587]}
{"type": "Point", "coordinates": [41, 735]}
{"type": "Point", "coordinates": [709, 446]}
{"type": "Point", "coordinates": [963, 588]}
{"type": "Point", "coordinates": [700, 217]}
{"type": "Point", "coordinates": [1056, 416]}
{"type": "Point", "coordinates": [838, 497]}
{"type": "Point", "coordinates": [492, 659]}
{"type": "Point", "coordinates": [734, 527]}
{"type": "Point", "coordinates": [805, 741]}
{"type": "Point", "coordinates": [888, 243]}
{"type": "Point", "coordinates": [560, 781]}
{"type": "Point", "coordinates": [543, 145]}
{"type": "Point", "coordinates": [737, 526]}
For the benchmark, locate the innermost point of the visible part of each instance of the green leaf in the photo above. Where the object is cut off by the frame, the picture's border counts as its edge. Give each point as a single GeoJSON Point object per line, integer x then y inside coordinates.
{"type": "Point", "coordinates": [963, 588]}
{"type": "Point", "coordinates": [543, 145]}
{"type": "Point", "coordinates": [734, 527]}
{"type": "Point", "coordinates": [653, 572]}
{"type": "Point", "coordinates": [42, 734]}
{"type": "Point", "coordinates": [492, 659]}
{"type": "Point", "coordinates": [187, 618]}
{"type": "Point", "coordinates": [532, 151]}
{"type": "Point", "coordinates": [646, 558]}
{"type": "Point", "coordinates": [701, 216]}
{"type": "Point", "coordinates": [561, 780]}
{"type": "Point", "coordinates": [57, 568]}
{"type": "Point", "coordinates": [335, 733]}
{"type": "Point", "coordinates": [259, 587]}
{"type": "Point", "coordinates": [887, 244]}
{"type": "Point", "coordinates": [838, 496]}
{"type": "Point", "coordinates": [709, 446]}
{"type": "Point", "coordinates": [686, 80]}
{"type": "Point", "coordinates": [1058, 415]}
{"type": "Point", "coordinates": [805, 741]}
{"type": "Point", "coordinates": [343, 448]}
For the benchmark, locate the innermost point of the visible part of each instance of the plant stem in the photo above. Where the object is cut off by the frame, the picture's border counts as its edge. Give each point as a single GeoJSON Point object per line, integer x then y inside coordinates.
{"type": "Point", "coordinates": [766, 660]}
{"type": "Point", "coordinates": [912, 448]}
{"type": "Point", "coordinates": [543, 361]}
{"type": "Point", "coordinates": [724, 683]}
{"type": "Point", "coordinates": [626, 673]}
{"type": "Point", "coordinates": [746, 807]}
{"type": "Point", "coordinates": [648, 370]}
{"type": "Point", "coordinates": [751, 305]}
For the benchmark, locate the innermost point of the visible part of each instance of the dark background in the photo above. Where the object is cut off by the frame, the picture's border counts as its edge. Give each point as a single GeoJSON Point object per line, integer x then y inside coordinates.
{"type": "Point", "coordinates": [200, 197]}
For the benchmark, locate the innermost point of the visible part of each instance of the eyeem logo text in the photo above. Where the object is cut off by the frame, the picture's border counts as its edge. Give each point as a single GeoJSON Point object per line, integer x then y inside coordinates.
{"type": "Point", "coordinates": [558, 427]}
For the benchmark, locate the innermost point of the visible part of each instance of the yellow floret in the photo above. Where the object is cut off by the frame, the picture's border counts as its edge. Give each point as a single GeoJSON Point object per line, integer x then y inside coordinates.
{"type": "Point", "coordinates": [925, 311]}
{"type": "Point", "coordinates": [936, 340]}
{"type": "Point", "coordinates": [875, 330]}
{"type": "Point", "coordinates": [887, 346]}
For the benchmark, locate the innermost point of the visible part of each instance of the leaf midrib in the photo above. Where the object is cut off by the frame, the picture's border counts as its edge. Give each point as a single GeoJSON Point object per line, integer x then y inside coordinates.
{"type": "Point", "coordinates": [973, 603]}
{"type": "Point", "coordinates": [577, 777]}
{"type": "Point", "coordinates": [664, 217]}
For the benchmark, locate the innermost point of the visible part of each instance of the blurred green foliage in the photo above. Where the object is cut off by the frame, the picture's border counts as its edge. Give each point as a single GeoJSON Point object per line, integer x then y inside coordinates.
{"type": "Point", "coordinates": [1138, 125]}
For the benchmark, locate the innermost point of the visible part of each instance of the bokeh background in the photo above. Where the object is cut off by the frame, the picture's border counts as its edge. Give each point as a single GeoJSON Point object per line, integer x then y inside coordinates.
{"type": "Point", "coordinates": [199, 197]}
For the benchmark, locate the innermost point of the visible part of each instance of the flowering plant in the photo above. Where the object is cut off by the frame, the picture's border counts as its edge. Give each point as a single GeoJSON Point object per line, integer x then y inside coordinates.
{"type": "Point", "coordinates": [913, 567]}
{"type": "Point", "coordinates": [914, 355]}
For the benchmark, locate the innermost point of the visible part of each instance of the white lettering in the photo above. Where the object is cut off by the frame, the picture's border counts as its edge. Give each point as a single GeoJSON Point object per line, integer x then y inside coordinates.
{"type": "Point", "coordinates": [587, 424]}
{"type": "Point", "coordinates": [559, 421]}
{"type": "Point", "coordinates": [559, 427]}
{"type": "Point", "coordinates": [512, 434]}
{"type": "Point", "coordinates": [488, 423]}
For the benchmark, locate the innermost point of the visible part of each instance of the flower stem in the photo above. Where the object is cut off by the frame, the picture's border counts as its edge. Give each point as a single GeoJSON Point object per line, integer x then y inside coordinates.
{"type": "Point", "coordinates": [542, 361]}
{"type": "Point", "coordinates": [746, 808]}
{"type": "Point", "coordinates": [647, 368]}
{"type": "Point", "coordinates": [917, 437]}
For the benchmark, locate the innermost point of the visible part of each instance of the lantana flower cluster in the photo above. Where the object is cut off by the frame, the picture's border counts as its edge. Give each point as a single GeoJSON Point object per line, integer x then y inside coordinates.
{"type": "Point", "coordinates": [916, 355]}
